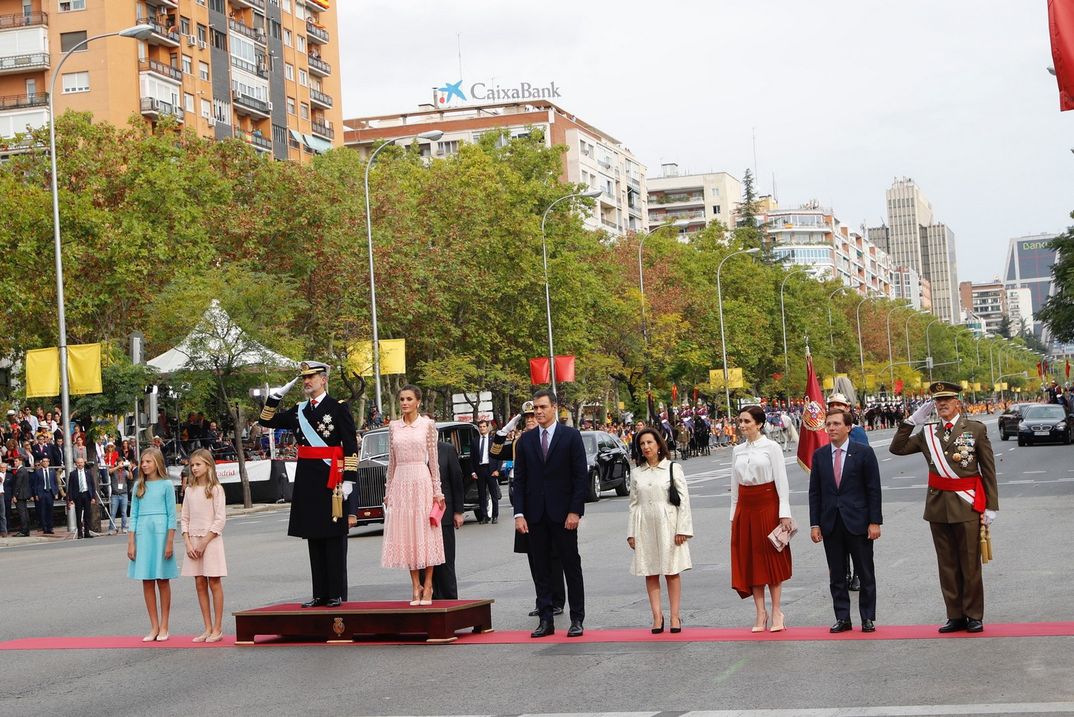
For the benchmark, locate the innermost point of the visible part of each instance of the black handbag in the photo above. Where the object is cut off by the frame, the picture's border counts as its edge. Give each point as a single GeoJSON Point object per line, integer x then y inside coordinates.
{"type": "Point", "coordinates": [673, 492]}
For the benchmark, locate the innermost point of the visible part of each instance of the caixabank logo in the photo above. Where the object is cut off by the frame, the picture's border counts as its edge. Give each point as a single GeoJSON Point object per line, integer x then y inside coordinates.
{"type": "Point", "coordinates": [452, 93]}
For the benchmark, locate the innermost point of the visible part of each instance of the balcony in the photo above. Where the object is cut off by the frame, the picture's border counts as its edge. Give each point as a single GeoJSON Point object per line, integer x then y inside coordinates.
{"type": "Point", "coordinates": [252, 4]}
{"type": "Point", "coordinates": [170, 4]}
{"type": "Point", "coordinates": [29, 62]}
{"type": "Point", "coordinates": [255, 139]}
{"type": "Point", "coordinates": [159, 68]}
{"type": "Point", "coordinates": [317, 5]}
{"type": "Point", "coordinates": [168, 37]}
{"type": "Point", "coordinates": [250, 67]}
{"type": "Point", "coordinates": [21, 102]}
{"type": "Point", "coordinates": [319, 67]}
{"type": "Point", "coordinates": [320, 99]}
{"type": "Point", "coordinates": [158, 109]}
{"type": "Point", "coordinates": [28, 19]}
{"type": "Point", "coordinates": [254, 33]}
{"type": "Point", "coordinates": [323, 130]}
{"type": "Point", "coordinates": [250, 106]}
{"type": "Point", "coordinates": [316, 33]}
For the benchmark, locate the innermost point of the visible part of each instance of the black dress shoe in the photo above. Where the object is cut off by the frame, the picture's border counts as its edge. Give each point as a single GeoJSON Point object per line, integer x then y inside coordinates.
{"type": "Point", "coordinates": [841, 626]}
{"type": "Point", "coordinates": [557, 611]}
{"type": "Point", "coordinates": [334, 602]}
{"type": "Point", "coordinates": [677, 630]}
{"type": "Point", "coordinates": [658, 630]}
{"type": "Point", "coordinates": [495, 521]}
{"type": "Point", "coordinates": [974, 625]}
{"type": "Point", "coordinates": [315, 602]}
{"type": "Point", "coordinates": [546, 628]}
{"type": "Point", "coordinates": [534, 612]}
{"type": "Point", "coordinates": [855, 584]}
{"type": "Point", "coordinates": [868, 626]}
{"type": "Point", "coordinates": [953, 624]}
{"type": "Point", "coordinates": [575, 630]}
{"type": "Point", "coordinates": [88, 535]}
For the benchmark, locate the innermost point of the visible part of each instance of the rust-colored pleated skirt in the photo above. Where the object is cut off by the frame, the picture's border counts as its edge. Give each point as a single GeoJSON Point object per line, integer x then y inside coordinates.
{"type": "Point", "coordinates": [753, 559]}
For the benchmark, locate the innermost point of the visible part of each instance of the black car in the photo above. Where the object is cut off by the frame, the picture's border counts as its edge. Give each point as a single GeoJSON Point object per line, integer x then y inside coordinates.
{"type": "Point", "coordinates": [1009, 420]}
{"type": "Point", "coordinates": [608, 464]}
{"type": "Point", "coordinates": [373, 468]}
{"type": "Point", "coordinates": [1045, 422]}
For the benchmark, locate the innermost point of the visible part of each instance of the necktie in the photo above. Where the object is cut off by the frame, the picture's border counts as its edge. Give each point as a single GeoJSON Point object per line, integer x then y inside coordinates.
{"type": "Point", "coordinates": [48, 483]}
{"type": "Point", "coordinates": [313, 403]}
{"type": "Point", "coordinates": [838, 466]}
{"type": "Point", "coordinates": [544, 444]}
{"type": "Point", "coordinates": [484, 450]}
{"type": "Point", "coordinates": [82, 482]}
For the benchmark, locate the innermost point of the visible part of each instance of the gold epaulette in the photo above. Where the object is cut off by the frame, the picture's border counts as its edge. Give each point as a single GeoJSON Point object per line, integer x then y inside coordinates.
{"type": "Point", "coordinates": [495, 448]}
{"type": "Point", "coordinates": [350, 463]}
{"type": "Point", "coordinates": [267, 413]}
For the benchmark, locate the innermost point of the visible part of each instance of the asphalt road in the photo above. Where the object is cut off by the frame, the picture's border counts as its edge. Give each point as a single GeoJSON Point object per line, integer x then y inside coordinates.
{"type": "Point", "coordinates": [80, 588]}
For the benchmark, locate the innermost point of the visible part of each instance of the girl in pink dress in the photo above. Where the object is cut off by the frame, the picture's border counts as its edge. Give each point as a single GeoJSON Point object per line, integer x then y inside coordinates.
{"type": "Point", "coordinates": [203, 517]}
{"type": "Point", "coordinates": [411, 539]}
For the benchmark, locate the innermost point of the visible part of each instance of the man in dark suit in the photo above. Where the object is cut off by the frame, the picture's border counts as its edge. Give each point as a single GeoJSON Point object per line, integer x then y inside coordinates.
{"type": "Point", "coordinates": [549, 501]}
{"type": "Point", "coordinates": [445, 584]}
{"type": "Point", "coordinates": [21, 493]}
{"type": "Point", "coordinates": [963, 495]}
{"type": "Point", "coordinates": [487, 473]}
{"type": "Point", "coordinates": [845, 513]}
{"type": "Point", "coordinates": [81, 495]}
{"type": "Point", "coordinates": [6, 480]}
{"type": "Point", "coordinates": [45, 491]}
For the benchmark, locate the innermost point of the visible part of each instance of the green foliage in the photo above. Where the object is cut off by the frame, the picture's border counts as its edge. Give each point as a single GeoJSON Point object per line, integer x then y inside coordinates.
{"type": "Point", "coordinates": [1058, 311]}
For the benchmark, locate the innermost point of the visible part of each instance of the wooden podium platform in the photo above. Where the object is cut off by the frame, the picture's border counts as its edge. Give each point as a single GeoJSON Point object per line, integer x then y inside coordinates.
{"type": "Point", "coordinates": [355, 620]}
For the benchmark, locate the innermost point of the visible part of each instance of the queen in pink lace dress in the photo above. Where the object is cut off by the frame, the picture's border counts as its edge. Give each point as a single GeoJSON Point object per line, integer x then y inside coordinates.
{"type": "Point", "coordinates": [411, 541]}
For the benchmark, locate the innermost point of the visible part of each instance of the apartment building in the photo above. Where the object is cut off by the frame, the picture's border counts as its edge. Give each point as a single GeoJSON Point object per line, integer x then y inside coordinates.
{"type": "Point", "coordinates": [593, 158]}
{"type": "Point", "coordinates": [264, 71]}
{"type": "Point", "coordinates": [812, 236]}
{"type": "Point", "coordinates": [907, 287]}
{"type": "Point", "coordinates": [987, 301]}
{"type": "Point", "coordinates": [690, 202]}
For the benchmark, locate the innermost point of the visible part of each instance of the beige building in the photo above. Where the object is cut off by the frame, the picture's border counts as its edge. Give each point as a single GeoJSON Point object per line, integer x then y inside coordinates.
{"type": "Point", "coordinates": [690, 202]}
{"type": "Point", "coordinates": [988, 302]}
{"type": "Point", "coordinates": [593, 158]}
{"type": "Point", "coordinates": [265, 71]}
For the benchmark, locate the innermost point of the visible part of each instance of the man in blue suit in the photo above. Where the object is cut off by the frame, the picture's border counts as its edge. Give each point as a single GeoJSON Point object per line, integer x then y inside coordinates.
{"type": "Point", "coordinates": [549, 501]}
{"type": "Point", "coordinates": [845, 513]}
{"type": "Point", "coordinates": [45, 491]}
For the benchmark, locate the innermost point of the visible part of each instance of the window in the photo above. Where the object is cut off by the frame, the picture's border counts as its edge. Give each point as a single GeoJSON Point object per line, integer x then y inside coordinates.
{"type": "Point", "coordinates": [274, 29]}
{"type": "Point", "coordinates": [303, 78]}
{"type": "Point", "coordinates": [72, 39]}
{"type": "Point", "coordinates": [287, 37]}
{"type": "Point", "coordinates": [184, 25]}
{"type": "Point", "coordinates": [305, 110]}
{"type": "Point", "coordinates": [203, 70]}
{"type": "Point", "coordinates": [715, 208]}
{"type": "Point", "coordinates": [188, 102]}
{"type": "Point", "coordinates": [286, 5]}
{"type": "Point", "coordinates": [216, 5]}
{"type": "Point", "coordinates": [188, 65]}
{"type": "Point", "coordinates": [31, 87]}
{"type": "Point", "coordinates": [300, 41]}
{"type": "Point", "coordinates": [300, 11]}
{"type": "Point", "coordinates": [75, 82]}
{"type": "Point", "coordinates": [205, 108]}
{"type": "Point", "coordinates": [71, 5]}
{"type": "Point", "coordinates": [290, 105]}
{"type": "Point", "coordinates": [219, 40]}
{"type": "Point", "coordinates": [289, 71]}
{"type": "Point", "coordinates": [203, 33]}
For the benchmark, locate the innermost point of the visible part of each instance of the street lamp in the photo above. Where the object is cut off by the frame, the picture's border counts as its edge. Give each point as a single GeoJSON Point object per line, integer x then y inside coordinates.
{"type": "Point", "coordinates": [891, 356]}
{"type": "Point", "coordinates": [138, 32]}
{"type": "Point", "coordinates": [831, 331]}
{"type": "Point", "coordinates": [592, 193]}
{"type": "Point", "coordinates": [641, 286]}
{"type": "Point", "coordinates": [723, 337]}
{"type": "Point", "coordinates": [928, 347]}
{"type": "Point", "coordinates": [783, 316]}
{"type": "Point", "coordinates": [861, 349]}
{"type": "Point", "coordinates": [431, 135]}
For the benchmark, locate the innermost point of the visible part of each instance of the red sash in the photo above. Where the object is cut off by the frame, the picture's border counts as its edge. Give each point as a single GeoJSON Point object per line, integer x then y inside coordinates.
{"type": "Point", "coordinates": [969, 483]}
{"type": "Point", "coordinates": [333, 453]}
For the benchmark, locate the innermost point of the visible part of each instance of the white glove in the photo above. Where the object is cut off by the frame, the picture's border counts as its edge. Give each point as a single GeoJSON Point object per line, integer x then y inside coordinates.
{"type": "Point", "coordinates": [510, 425]}
{"type": "Point", "coordinates": [989, 516]}
{"type": "Point", "coordinates": [348, 488]}
{"type": "Point", "coordinates": [921, 414]}
{"type": "Point", "coordinates": [279, 393]}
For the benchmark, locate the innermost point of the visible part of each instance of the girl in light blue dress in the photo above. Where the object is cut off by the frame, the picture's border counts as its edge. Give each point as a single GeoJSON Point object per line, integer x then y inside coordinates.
{"type": "Point", "coordinates": [150, 540]}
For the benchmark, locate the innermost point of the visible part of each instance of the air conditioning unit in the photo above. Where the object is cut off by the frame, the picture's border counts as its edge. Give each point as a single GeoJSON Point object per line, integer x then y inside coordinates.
{"type": "Point", "coordinates": [211, 120]}
{"type": "Point", "coordinates": [191, 40]}
{"type": "Point", "coordinates": [202, 44]}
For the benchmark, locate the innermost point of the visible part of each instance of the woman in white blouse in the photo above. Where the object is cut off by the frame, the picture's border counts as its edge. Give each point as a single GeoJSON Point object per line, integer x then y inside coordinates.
{"type": "Point", "coordinates": [759, 502]}
{"type": "Point", "coordinates": [659, 526]}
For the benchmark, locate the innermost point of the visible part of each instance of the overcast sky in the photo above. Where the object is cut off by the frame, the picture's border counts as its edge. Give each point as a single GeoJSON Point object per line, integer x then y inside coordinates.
{"type": "Point", "coordinates": [844, 95]}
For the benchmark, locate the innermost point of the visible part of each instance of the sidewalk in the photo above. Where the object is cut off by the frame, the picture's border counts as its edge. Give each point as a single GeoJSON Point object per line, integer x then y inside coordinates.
{"type": "Point", "coordinates": [62, 535]}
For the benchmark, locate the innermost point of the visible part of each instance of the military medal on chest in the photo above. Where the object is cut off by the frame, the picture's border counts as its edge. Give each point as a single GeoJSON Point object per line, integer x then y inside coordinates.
{"type": "Point", "coordinates": [325, 426]}
{"type": "Point", "coordinates": [964, 449]}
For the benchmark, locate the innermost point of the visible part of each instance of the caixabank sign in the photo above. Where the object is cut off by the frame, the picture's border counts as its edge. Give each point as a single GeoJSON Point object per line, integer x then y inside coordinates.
{"type": "Point", "coordinates": [454, 94]}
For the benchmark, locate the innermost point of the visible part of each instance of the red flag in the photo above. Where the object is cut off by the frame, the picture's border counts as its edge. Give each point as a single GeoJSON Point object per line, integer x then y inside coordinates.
{"type": "Point", "coordinates": [899, 385]}
{"type": "Point", "coordinates": [674, 393]}
{"type": "Point", "coordinates": [1068, 369]}
{"type": "Point", "coordinates": [695, 391]}
{"type": "Point", "coordinates": [1040, 369]}
{"type": "Point", "coordinates": [812, 435]}
{"type": "Point", "coordinates": [539, 372]}
{"type": "Point", "coordinates": [564, 369]}
{"type": "Point", "coordinates": [1061, 24]}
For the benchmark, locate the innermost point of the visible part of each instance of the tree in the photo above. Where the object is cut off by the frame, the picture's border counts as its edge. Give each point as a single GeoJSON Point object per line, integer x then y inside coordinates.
{"type": "Point", "coordinates": [1057, 313]}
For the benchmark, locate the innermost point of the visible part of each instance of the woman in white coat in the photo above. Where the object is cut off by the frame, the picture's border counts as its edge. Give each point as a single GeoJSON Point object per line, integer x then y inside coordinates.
{"type": "Point", "coordinates": [660, 525]}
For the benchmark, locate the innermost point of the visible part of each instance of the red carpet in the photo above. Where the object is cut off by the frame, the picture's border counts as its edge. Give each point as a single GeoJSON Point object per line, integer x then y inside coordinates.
{"type": "Point", "coordinates": [689, 634]}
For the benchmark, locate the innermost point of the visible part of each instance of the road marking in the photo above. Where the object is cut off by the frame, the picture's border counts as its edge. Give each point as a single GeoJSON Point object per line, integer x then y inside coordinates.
{"type": "Point", "coordinates": [885, 460]}
{"type": "Point", "coordinates": [1029, 473]}
{"type": "Point", "coordinates": [897, 710]}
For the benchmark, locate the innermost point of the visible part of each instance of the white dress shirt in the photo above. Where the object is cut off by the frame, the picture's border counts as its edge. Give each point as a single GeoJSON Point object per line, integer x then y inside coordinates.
{"type": "Point", "coordinates": [758, 462]}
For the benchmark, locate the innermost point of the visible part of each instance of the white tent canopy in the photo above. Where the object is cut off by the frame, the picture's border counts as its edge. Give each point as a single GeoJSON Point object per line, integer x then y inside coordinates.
{"type": "Point", "coordinates": [217, 338]}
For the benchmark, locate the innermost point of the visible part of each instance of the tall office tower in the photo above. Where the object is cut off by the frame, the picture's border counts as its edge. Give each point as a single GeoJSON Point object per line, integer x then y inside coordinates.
{"type": "Point", "coordinates": [1029, 266]}
{"type": "Point", "coordinates": [265, 71]}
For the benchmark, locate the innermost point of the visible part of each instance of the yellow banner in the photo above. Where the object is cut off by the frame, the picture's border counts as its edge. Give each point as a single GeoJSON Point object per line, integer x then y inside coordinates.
{"type": "Point", "coordinates": [965, 385]}
{"type": "Point", "coordinates": [392, 357]}
{"type": "Point", "coordinates": [734, 378]}
{"type": "Point", "coordinates": [829, 384]}
{"type": "Point", "coordinates": [83, 371]}
{"type": "Point", "coordinates": [870, 380]}
{"type": "Point", "coordinates": [976, 386]}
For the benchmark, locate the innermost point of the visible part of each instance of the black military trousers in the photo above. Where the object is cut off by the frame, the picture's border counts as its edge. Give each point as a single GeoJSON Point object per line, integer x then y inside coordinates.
{"type": "Point", "coordinates": [328, 566]}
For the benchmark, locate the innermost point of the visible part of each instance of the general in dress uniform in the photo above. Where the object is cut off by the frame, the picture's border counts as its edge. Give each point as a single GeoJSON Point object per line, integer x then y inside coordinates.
{"type": "Point", "coordinates": [327, 458]}
{"type": "Point", "coordinates": [962, 496]}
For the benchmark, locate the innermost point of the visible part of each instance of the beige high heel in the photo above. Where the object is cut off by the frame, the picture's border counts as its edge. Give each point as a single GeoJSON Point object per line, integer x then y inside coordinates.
{"type": "Point", "coordinates": [215, 637]}
{"type": "Point", "coordinates": [201, 637]}
{"type": "Point", "coordinates": [777, 625]}
{"type": "Point", "coordinates": [426, 600]}
{"type": "Point", "coordinates": [763, 625]}
{"type": "Point", "coordinates": [417, 598]}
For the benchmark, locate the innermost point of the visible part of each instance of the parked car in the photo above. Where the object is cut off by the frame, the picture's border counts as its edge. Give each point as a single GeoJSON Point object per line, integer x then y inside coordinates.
{"type": "Point", "coordinates": [1045, 422]}
{"type": "Point", "coordinates": [608, 463]}
{"type": "Point", "coordinates": [373, 469]}
{"type": "Point", "coordinates": [1009, 420]}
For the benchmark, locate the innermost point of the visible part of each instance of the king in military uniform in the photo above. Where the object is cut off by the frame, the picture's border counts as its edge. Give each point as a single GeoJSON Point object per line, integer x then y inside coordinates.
{"type": "Point", "coordinates": [327, 457]}
{"type": "Point", "coordinates": [962, 497]}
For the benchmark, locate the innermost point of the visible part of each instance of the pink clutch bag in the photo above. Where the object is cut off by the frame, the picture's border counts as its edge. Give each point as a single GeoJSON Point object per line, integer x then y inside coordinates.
{"type": "Point", "coordinates": [436, 514]}
{"type": "Point", "coordinates": [781, 538]}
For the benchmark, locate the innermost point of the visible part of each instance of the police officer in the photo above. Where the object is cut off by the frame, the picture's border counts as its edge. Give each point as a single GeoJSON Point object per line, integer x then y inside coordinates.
{"type": "Point", "coordinates": [962, 497]}
{"type": "Point", "coordinates": [326, 471]}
